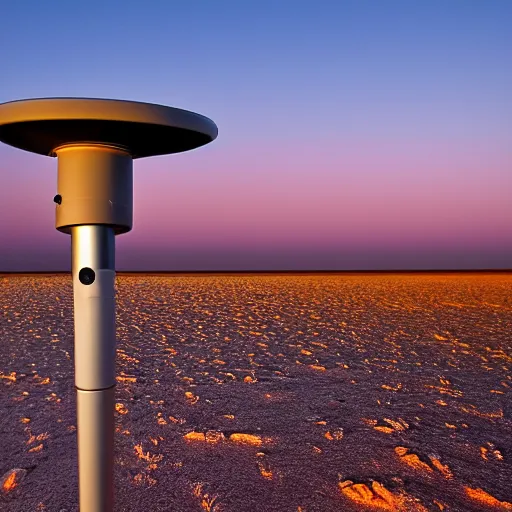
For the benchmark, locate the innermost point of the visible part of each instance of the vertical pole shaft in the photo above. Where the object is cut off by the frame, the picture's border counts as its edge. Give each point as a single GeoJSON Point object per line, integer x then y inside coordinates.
{"type": "Point", "coordinates": [93, 271]}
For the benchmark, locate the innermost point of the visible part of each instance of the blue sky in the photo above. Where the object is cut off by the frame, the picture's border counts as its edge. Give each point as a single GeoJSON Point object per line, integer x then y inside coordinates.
{"type": "Point", "coordinates": [395, 115]}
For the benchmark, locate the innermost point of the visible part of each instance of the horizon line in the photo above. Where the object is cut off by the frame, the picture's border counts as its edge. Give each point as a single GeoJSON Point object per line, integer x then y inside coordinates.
{"type": "Point", "coordinates": [303, 271]}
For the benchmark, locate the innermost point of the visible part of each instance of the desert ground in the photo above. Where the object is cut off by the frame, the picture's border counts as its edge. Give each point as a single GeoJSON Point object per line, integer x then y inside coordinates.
{"type": "Point", "coordinates": [270, 393]}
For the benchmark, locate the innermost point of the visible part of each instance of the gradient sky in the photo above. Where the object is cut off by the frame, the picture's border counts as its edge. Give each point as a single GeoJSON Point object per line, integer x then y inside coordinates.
{"type": "Point", "coordinates": [352, 134]}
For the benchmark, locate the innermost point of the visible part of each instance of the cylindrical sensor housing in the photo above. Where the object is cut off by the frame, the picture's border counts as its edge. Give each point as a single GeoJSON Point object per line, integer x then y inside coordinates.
{"type": "Point", "coordinates": [95, 185]}
{"type": "Point", "coordinates": [93, 263]}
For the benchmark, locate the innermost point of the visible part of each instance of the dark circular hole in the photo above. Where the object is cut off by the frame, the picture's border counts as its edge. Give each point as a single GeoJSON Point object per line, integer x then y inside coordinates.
{"type": "Point", "coordinates": [86, 275]}
{"type": "Point", "coordinates": [57, 199]}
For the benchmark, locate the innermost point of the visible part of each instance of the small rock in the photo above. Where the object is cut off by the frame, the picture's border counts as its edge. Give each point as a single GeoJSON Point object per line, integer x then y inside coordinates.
{"type": "Point", "coordinates": [334, 435]}
{"type": "Point", "coordinates": [213, 436]}
{"type": "Point", "coordinates": [195, 436]}
{"type": "Point", "coordinates": [246, 439]}
{"type": "Point", "coordinates": [12, 479]}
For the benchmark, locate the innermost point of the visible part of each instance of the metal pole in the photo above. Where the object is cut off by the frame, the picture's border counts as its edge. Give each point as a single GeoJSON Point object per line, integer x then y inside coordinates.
{"type": "Point", "coordinates": [93, 271]}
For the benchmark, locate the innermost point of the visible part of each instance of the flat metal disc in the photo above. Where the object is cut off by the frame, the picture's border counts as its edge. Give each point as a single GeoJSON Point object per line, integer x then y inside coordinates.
{"type": "Point", "coordinates": [143, 129]}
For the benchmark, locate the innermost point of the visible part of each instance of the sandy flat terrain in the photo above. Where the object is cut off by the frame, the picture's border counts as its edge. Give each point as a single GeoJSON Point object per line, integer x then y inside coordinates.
{"type": "Point", "coordinates": [270, 393]}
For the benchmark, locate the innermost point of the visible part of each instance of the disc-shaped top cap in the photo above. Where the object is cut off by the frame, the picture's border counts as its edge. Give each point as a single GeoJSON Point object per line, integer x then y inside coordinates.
{"type": "Point", "coordinates": [143, 129]}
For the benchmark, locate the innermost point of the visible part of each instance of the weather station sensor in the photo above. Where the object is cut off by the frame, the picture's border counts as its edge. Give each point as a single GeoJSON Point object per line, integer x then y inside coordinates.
{"type": "Point", "coordinates": [95, 142]}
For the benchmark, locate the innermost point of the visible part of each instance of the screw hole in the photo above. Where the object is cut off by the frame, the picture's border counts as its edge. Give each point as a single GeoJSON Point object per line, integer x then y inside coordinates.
{"type": "Point", "coordinates": [86, 275]}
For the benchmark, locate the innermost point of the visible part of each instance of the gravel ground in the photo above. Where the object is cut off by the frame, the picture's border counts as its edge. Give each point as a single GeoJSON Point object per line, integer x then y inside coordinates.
{"type": "Point", "coordinates": [270, 393]}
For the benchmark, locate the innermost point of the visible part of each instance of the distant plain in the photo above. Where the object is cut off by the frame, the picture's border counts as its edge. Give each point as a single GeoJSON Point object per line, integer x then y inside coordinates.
{"type": "Point", "coordinates": [295, 393]}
